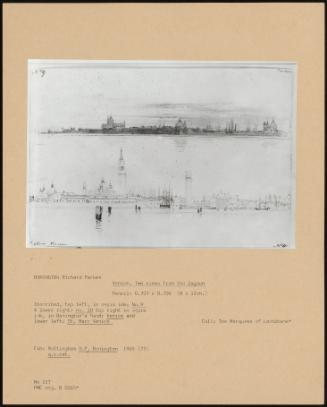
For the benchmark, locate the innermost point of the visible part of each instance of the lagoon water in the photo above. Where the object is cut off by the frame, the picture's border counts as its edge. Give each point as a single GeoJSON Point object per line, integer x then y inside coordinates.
{"type": "Point", "coordinates": [65, 225]}
{"type": "Point", "coordinates": [250, 167]}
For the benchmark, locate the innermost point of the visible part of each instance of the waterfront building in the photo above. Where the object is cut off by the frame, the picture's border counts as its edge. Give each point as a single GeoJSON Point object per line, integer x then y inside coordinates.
{"type": "Point", "coordinates": [47, 194]}
{"type": "Point", "coordinates": [112, 125]}
{"type": "Point", "coordinates": [270, 128]}
{"type": "Point", "coordinates": [224, 201]}
{"type": "Point", "coordinates": [104, 189]}
{"type": "Point", "coordinates": [180, 127]}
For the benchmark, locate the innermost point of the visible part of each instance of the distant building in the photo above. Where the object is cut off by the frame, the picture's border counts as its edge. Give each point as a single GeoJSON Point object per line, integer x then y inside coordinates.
{"type": "Point", "coordinates": [111, 124]}
{"type": "Point", "coordinates": [105, 188]}
{"type": "Point", "coordinates": [223, 201]}
{"type": "Point", "coordinates": [47, 194]}
{"type": "Point", "coordinates": [270, 128]}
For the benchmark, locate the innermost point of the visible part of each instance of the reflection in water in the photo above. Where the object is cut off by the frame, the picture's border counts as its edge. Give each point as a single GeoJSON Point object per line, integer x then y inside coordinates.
{"type": "Point", "coordinates": [98, 225]}
{"type": "Point", "coordinates": [98, 212]}
{"type": "Point", "coordinates": [98, 217]}
{"type": "Point", "coordinates": [180, 143]}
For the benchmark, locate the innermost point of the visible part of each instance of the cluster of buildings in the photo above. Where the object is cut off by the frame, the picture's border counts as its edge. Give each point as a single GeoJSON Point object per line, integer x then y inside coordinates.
{"type": "Point", "coordinates": [180, 128]}
{"type": "Point", "coordinates": [225, 201]}
{"type": "Point", "coordinates": [102, 193]}
{"type": "Point", "coordinates": [110, 124]}
{"type": "Point", "coordinates": [270, 128]}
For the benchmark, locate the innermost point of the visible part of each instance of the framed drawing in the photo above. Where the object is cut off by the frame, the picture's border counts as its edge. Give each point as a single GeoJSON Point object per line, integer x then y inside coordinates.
{"type": "Point", "coordinates": [163, 203]}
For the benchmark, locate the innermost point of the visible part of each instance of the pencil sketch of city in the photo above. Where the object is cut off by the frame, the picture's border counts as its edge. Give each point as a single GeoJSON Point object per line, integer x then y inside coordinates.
{"type": "Point", "coordinates": [161, 154]}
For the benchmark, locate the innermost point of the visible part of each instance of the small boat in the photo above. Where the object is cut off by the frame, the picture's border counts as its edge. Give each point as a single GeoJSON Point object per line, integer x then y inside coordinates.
{"type": "Point", "coordinates": [262, 206]}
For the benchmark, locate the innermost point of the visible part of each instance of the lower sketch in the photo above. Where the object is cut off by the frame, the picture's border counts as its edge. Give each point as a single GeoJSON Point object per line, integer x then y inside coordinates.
{"type": "Point", "coordinates": [161, 154]}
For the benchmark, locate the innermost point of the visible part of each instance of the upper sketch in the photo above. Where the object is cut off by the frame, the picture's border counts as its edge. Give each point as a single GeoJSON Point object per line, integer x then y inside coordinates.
{"type": "Point", "coordinates": [161, 154]}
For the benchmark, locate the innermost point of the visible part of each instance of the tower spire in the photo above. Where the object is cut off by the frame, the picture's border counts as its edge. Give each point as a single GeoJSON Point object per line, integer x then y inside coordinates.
{"type": "Point", "coordinates": [121, 162]}
{"type": "Point", "coordinates": [122, 176]}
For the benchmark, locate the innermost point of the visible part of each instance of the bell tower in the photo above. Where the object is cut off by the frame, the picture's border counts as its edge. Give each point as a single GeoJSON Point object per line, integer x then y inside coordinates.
{"type": "Point", "coordinates": [188, 188]}
{"type": "Point", "coordinates": [122, 174]}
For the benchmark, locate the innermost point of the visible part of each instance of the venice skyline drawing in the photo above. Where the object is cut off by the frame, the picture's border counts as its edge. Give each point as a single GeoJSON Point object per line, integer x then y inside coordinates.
{"type": "Point", "coordinates": [198, 173]}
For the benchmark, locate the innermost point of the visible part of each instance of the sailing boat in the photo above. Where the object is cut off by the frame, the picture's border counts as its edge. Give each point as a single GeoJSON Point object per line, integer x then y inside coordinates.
{"type": "Point", "coordinates": [230, 127]}
{"type": "Point", "coordinates": [166, 199]}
